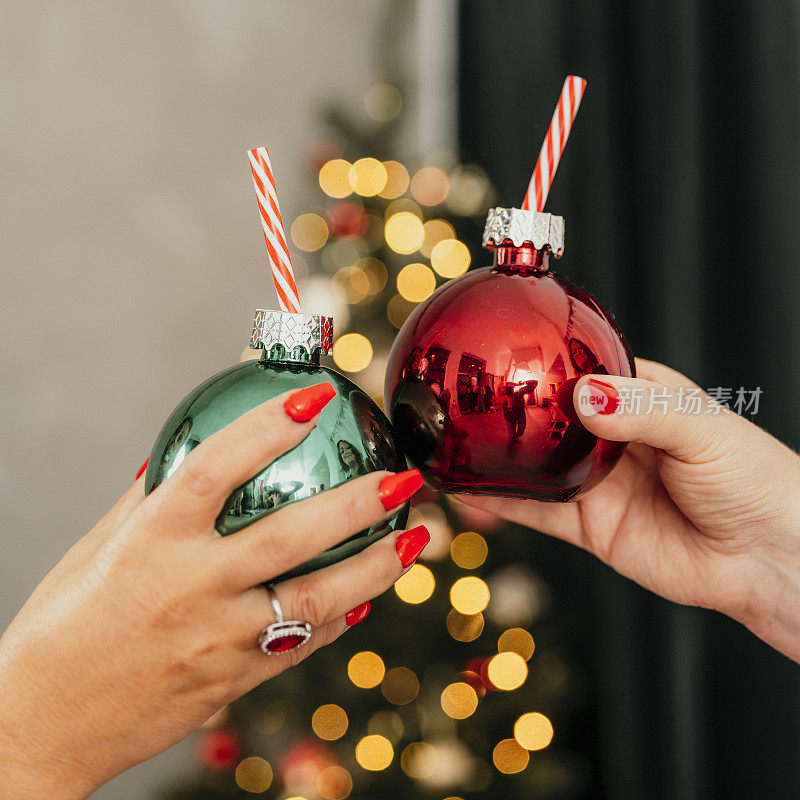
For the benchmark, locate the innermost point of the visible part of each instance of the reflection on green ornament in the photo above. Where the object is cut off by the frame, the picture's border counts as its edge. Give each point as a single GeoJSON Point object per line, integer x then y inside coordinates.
{"type": "Point", "coordinates": [351, 438]}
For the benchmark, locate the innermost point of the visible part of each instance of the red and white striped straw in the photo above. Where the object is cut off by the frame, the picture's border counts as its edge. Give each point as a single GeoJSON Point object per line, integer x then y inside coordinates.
{"type": "Point", "coordinates": [554, 143]}
{"type": "Point", "coordinates": [279, 260]}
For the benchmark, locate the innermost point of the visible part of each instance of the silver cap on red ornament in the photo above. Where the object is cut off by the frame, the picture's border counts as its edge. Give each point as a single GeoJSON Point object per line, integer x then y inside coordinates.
{"type": "Point", "coordinates": [519, 227]}
{"type": "Point", "coordinates": [299, 336]}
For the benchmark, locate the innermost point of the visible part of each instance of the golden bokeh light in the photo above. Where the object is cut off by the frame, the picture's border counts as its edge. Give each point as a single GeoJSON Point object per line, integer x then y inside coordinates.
{"type": "Point", "coordinates": [398, 310]}
{"type": "Point", "coordinates": [510, 757]}
{"type": "Point", "coordinates": [469, 189]}
{"type": "Point", "coordinates": [309, 232]}
{"type": "Point", "coordinates": [396, 180]}
{"type": "Point", "coordinates": [469, 595]}
{"type": "Point", "coordinates": [374, 752]}
{"type": "Point", "coordinates": [419, 760]}
{"type": "Point", "coordinates": [368, 176]}
{"type": "Point", "coordinates": [435, 231]}
{"type": "Point", "coordinates": [459, 700]}
{"type": "Point", "coordinates": [533, 731]}
{"type": "Point", "coordinates": [516, 640]}
{"type": "Point", "coordinates": [415, 282]}
{"type": "Point", "coordinates": [507, 671]}
{"type": "Point", "coordinates": [352, 352]}
{"type": "Point", "coordinates": [464, 627]}
{"type": "Point", "coordinates": [416, 586]}
{"type": "Point", "coordinates": [450, 258]}
{"type": "Point", "coordinates": [334, 783]}
{"type": "Point", "coordinates": [335, 178]}
{"type": "Point", "coordinates": [366, 669]}
{"type": "Point", "coordinates": [383, 102]}
{"type": "Point", "coordinates": [352, 284]}
{"type": "Point", "coordinates": [469, 550]}
{"type": "Point", "coordinates": [403, 204]}
{"type": "Point", "coordinates": [254, 775]}
{"type": "Point", "coordinates": [341, 253]}
{"type": "Point", "coordinates": [404, 232]}
{"type": "Point", "coordinates": [400, 686]}
{"type": "Point", "coordinates": [329, 722]}
{"type": "Point", "coordinates": [430, 186]}
{"type": "Point", "coordinates": [376, 273]}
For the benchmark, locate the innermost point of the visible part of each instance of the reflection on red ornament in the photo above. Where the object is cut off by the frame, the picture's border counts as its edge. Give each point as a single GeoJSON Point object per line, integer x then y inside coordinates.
{"type": "Point", "coordinates": [347, 219]}
{"type": "Point", "coordinates": [218, 750]}
{"type": "Point", "coordinates": [477, 377]}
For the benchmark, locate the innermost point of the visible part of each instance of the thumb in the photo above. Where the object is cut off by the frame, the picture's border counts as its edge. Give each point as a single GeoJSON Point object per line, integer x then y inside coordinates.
{"type": "Point", "coordinates": [681, 420]}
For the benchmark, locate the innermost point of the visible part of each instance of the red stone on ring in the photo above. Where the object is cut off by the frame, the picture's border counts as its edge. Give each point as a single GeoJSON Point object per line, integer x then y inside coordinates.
{"type": "Point", "coordinates": [286, 643]}
{"type": "Point", "coordinates": [283, 636]}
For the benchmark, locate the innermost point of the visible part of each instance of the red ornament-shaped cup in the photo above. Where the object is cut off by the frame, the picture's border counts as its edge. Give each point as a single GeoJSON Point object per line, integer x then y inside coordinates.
{"type": "Point", "coordinates": [479, 381]}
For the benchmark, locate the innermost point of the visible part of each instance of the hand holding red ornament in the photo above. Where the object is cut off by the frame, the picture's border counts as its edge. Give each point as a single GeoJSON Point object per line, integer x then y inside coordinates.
{"type": "Point", "coordinates": [703, 508]}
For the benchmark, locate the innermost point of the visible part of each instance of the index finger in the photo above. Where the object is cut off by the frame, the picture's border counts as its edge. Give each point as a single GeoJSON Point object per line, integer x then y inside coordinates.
{"type": "Point", "coordinates": [661, 373]}
{"type": "Point", "coordinates": [194, 495]}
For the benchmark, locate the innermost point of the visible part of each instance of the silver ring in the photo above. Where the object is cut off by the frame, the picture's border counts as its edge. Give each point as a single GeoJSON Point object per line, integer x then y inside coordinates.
{"type": "Point", "coordinates": [282, 635]}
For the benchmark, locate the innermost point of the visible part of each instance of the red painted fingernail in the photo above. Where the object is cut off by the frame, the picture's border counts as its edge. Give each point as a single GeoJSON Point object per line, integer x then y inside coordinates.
{"type": "Point", "coordinates": [142, 468]}
{"type": "Point", "coordinates": [307, 403]}
{"type": "Point", "coordinates": [410, 544]}
{"type": "Point", "coordinates": [610, 394]}
{"type": "Point", "coordinates": [396, 489]}
{"type": "Point", "coordinates": [358, 614]}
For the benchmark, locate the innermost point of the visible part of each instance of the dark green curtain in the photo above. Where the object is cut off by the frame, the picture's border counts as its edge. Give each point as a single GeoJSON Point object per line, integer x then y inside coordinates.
{"type": "Point", "coordinates": [681, 190]}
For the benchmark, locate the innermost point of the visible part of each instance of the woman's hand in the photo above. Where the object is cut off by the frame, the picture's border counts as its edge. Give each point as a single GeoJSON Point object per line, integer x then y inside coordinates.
{"type": "Point", "coordinates": [150, 623]}
{"type": "Point", "coordinates": [703, 508]}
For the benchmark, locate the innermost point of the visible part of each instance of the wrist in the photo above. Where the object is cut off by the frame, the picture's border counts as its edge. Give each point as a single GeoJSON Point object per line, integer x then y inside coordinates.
{"type": "Point", "coordinates": [26, 782]}
{"type": "Point", "coordinates": [24, 774]}
{"type": "Point", "coordinates": [32, 764]}
{"type": "Point", "coordinates": [771, 548]}
{"type": "Point", "coordinates": [772, 607]}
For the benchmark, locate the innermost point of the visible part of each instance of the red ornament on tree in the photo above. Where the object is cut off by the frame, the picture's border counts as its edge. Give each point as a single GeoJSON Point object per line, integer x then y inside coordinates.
{"type": "Point", "coordinates": [347, 219]}
{"type": "Point", "coordinates": [218, 750]}
{"type": "Point", "coordinates": [479, 381]}
{"type": "Point", "coordinates": [301, 764]}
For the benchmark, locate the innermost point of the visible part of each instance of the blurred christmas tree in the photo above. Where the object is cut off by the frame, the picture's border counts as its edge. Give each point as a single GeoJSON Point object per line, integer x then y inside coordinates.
{"type": "Point", "coordinates": [438, 694]}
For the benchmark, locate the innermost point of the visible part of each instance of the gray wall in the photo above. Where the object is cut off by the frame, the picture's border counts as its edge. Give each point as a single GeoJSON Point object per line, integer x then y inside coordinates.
{"type": "Point", "coordinates": [132, 256]}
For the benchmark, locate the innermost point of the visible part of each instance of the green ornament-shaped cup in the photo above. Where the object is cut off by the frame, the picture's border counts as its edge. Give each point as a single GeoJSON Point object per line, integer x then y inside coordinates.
{"type": "Point", "coordinates": [351, 438]}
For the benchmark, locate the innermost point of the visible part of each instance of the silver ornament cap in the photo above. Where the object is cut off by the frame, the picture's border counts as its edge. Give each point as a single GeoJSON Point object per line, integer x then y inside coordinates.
{"type": "Point", "coordinates": [311, 334]}
{"type": "Point", "coordinates": [518, 226]}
